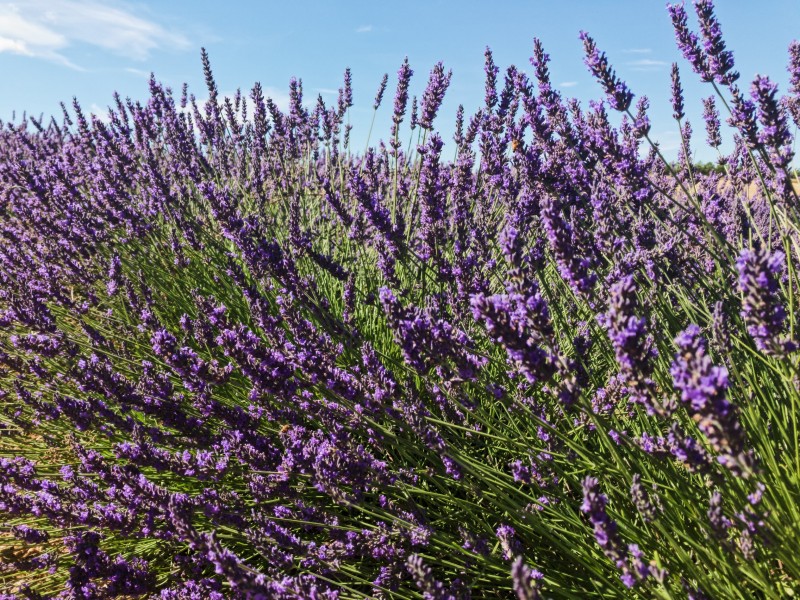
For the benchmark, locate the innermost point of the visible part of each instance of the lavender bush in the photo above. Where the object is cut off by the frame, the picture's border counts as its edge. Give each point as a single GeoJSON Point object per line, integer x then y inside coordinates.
{"type": "Point", "coordinates": [240, 360]}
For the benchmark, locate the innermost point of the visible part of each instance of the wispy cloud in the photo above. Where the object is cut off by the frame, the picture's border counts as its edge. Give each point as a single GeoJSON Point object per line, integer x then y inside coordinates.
{"type": "Point", "coordinates": [327, 91]}
{"type": "Point", "coordinates": [48, 28]}
{"type": "Point", "coordinates": [138, 72]}
{"type": "Point", "coordinates": [568, 84]}
{"type": "Point", "coordinates": [638, 50]}
{"type": "Point", "coordinates": [364, 29]}
{"type": "Point", "coordinates": [647, 64]}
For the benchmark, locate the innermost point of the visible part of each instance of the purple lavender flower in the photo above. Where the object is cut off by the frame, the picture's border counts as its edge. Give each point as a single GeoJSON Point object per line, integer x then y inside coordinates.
{"type": "Point", "coordinates": [677, 94]}
{"type": "Point", "coordinates": [29, 534]}
{"type": "Point", "coordinates": [647, 503]}
{"type": "Point", "coordinates": [429, 342]}
{"type": "Point", "coordinates": [380, 92]}
{"type": "Point", "coordinates": [641, 122]}
{"type": "Point", "coordinates": [774, 134]}
{"type": "Point", "coordinates": [347, 92]}
{"type": "Point", "coordinates": [711, 117]}
{"type": "Point", "coordinates": [794, 67]}
{"type": "Point", "coordinates": [509, 543]}
{"type": "Point", "coordinates": [793, 100]}
{"type": "Point", "coordinates": [425, 581]}
{"type": "Point", "coordinates": [522, 326]}
{"type": "Point", "coordinates": [762, 307]}
{"type": "Point", "coordinates": [618, 94]}
{"type": "Point", "coordinates": [525, 580]}
{"type": "Point", "coordinates": [632, 343]}
{"type": "Point", "coordinates": [432, 195]}
{"type": "Point", "coordinates": [491, 71]}
{"type": "Point", "coordinates": [720, 60]}
{"type": "Point", "coordinates": [400, 101]}
{"type": "Point", "coordinates": [433, 95]}
{"type": "Point", "coordinates": [688, 42]}
{"type": "Point", "coordinates": [605, 529]}
{"type": "Point", "coordinates": [567, 247]}
{"type": "Point", "coordinates": [401, 94]}
{"type": "Point", "coordinates": [703, 387]}
{"type": "Point", "coordinates": [114, 275]}
{"type": "Point", "coordinates": [743, 117]}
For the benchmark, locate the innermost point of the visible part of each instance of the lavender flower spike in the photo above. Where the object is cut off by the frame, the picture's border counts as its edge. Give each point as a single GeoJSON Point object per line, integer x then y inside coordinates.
{"type": "Point", "coordinates": [619, 96]}
{"type": "Point", "coordinates": [762, 308]}
{"type": "Point", "coordinates": [677, 94]}
{"type": "Point", "coordinates": [605, 529]}
{"type": "Point", "coordinates": [688, 42]}
{"type": "Point", "coordinates": [525, 580]}
{"type": "Point", "coordinates": [703, 387]}
{"type": "Point", "coordinates": [774, 134]}
{"type": "Point", "coordinates": [720, 60]}
{"type": "Point", "coordinates": [632, 343]}
{"type": "Point", "coordinates": [381, 90]}
{"type": "Point", "coordinates": [433, 95]}
{"type": "Point", "coordinates": [711, 117]}
{"type": "Point", "coordinates": [793, 99]}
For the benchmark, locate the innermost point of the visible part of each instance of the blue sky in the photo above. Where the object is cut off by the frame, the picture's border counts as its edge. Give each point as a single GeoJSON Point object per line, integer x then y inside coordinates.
{"type": "Point", "coordinates": [52, 50]}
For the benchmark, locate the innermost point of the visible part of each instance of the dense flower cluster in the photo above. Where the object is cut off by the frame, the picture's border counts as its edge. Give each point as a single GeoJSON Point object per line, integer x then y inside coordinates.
{"type": "Point", "coordinates": [240, 359]}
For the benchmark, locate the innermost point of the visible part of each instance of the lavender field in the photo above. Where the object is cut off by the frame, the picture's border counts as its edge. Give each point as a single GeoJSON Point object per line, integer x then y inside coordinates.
{"type": "Point", "coordinates": [242, 358]}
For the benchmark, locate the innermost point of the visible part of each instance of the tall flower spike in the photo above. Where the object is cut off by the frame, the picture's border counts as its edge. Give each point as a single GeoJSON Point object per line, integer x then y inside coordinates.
{"type": "Point", "coordinates": [688, 42]}
{"type": "Point", "coordinates": [677, 94]}
{"type": "Point", "coordinates": [720, 60]}
{"type": "Point", "coordinates": [703, 388]}
{"type": "Point", "coordinates": [491, 71]}
{"type": "Point", "coordinates": [762, 308]}
{"type": "Point", "coordinates": [794, 67]}
{"type": "Point", "coordinates": [605, 529]}
{"type": "Point", "coordinates": [711, 117]}
{"type": "Point", "coordinates": [401, 94]}
{"type": "Point", "coordinates": [381, 90]}
{"type": "Point", "coordinates": [632, 343]}
{"type": "Point", "coordinates": [774, 133]}
{"type": "Point", "coordinates": [525, 580]}
{"type": "Point", "coordinates": [793, 99]}
{"type": "Point", "coordinates": [619, 96]}
{"type": "Point", "coordinates": [433, 95]}
{"type": "Point", "coordinates": [743, 117]}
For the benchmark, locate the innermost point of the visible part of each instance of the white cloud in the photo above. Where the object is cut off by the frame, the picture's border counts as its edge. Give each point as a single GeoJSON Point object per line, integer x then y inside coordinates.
{"type": "Point", "coordinates": [638, 51]}
{"type": "Point", "coordinates": [647, 64]}
{"type": "Point", "coordinates": [327, 91]}
{"type": "Point", "coordinates": [101, 113]}
{"type": "Point", "coordinates": [364, 29]}
{"type": "Point", "coordinates": [568, 84]}
{"type": "Point", "coordinates": [47, 28]}
{"type": "Point", "coordinates": [138, 72]}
